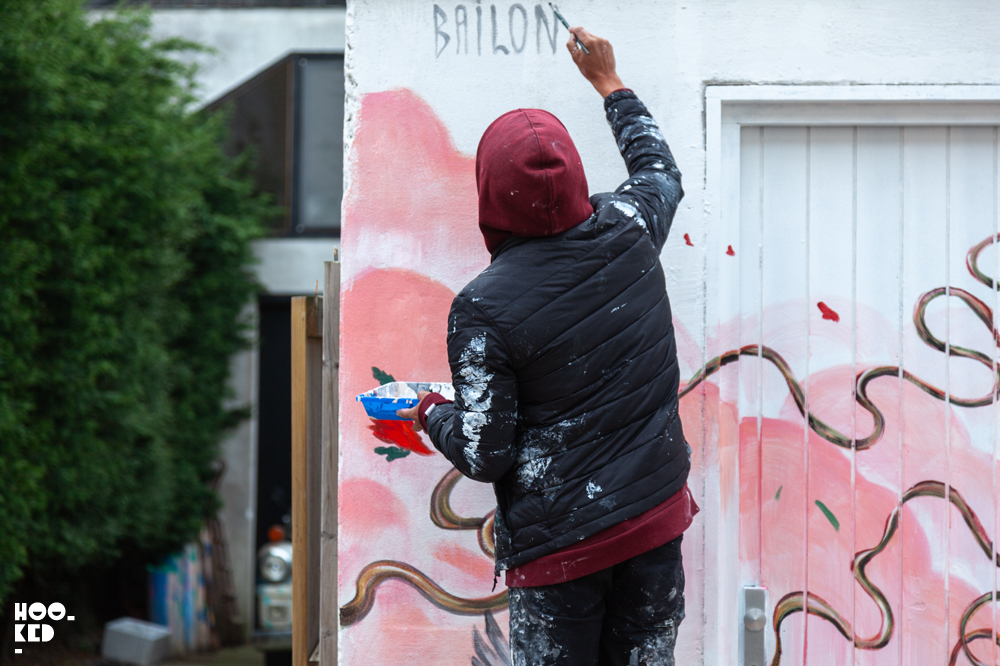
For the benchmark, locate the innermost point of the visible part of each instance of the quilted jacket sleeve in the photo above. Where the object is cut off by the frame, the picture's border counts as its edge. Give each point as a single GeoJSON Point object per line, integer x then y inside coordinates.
{"type": "Point", "coordinates": [476, 432]}
{"type": "Point", "coordinates": [654, 183]}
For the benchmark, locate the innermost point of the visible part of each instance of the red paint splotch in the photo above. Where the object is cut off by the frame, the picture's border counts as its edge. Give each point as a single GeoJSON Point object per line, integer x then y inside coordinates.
{"type": "Point", "coordinates": [828, 312]}
{"type": "Point", "coordinates": [400, 433]}
{"type": "Point", "coordinates": [730, 251]}
{"type": "Point", "coordinates": [687, 240]}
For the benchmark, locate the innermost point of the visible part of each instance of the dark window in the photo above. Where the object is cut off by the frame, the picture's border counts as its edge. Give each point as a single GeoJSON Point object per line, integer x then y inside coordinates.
{"type": "Point", "coordinates": [319, 143]}
{"type": "Point", "coordinates": [260, 119]}
{"type": "Point", "coordinates": [292, 116]}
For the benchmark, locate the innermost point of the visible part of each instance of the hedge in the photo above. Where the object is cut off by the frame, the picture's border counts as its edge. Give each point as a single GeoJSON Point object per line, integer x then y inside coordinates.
{"type": "Point", "coordinates": [124, 270]}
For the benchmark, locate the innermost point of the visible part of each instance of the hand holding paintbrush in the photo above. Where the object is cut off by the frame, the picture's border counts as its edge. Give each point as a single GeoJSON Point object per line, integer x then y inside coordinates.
{"type": "Point", "coordinates": [595, 60]}
{"type": "Point", "coordinates": [562, 19]}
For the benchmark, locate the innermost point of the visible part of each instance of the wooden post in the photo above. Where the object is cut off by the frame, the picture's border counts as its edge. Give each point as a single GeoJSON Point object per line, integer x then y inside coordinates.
{"type": "Point", "coordinates": [307, 363]}
{"type": "Point", "coordinates": [328, 606]}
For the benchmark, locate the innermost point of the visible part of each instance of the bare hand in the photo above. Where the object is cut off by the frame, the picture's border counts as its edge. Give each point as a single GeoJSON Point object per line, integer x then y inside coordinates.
{"type": "Point", "coordinates": [599, 66]}
{"type": "Point", "coordinates": [412, 413]}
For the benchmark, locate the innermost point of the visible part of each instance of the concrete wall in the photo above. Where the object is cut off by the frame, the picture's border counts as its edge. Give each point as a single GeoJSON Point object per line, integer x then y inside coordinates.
{"type": "Point", "coordinates": [248, 40]}
{"type": "Point", "coordinates": [424, 80]}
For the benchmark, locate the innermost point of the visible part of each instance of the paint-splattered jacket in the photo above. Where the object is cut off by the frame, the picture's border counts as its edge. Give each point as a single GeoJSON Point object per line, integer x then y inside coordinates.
{"type": "Point", "coordinates": [564, 363]}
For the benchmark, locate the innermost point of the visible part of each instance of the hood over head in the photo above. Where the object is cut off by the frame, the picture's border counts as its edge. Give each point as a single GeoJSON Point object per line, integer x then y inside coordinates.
{"type": "Point", "coordinates": [530, 178]}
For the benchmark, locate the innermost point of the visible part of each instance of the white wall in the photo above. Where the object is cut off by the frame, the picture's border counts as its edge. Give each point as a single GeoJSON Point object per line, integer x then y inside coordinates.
{"type": "Point", "coordinates": [668, 51]}
{"type": "Point", "coordinates": [293, 266]}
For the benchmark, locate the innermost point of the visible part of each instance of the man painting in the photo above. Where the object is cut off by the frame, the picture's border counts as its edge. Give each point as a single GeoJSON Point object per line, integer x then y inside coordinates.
{"type": "Point", "coordinates": [565, 371]}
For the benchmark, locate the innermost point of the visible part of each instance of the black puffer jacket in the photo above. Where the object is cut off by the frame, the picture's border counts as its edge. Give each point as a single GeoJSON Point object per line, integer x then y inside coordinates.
{"type": "Point", "coordinates": [564, 363]}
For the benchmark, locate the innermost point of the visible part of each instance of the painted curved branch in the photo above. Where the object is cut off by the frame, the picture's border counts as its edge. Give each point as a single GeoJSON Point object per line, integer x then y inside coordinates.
{"type": "Point", "coordinates": [966, 637]}
{"type": "Point", "coordinates": [982, 311]}
{"type": "Point", "coordinates": [964, 642]}
{"type": "Point", "coordinates": [444, 517]}
{"type": "Point", "coordinates": [827, 432]}
{"type": "Point", "coordinates": [812, 604]}
{"type": "Point", "coordinates": [442, 514]}
{"type": "Point", "coordinates": [792, 602]}
{"type": "Point", "coordinates": [376, 572]}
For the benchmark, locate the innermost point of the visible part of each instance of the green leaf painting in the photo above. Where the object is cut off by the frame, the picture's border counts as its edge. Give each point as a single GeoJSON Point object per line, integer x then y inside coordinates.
{"type": "Point", "coordinates": [391, 452]}
{"type": "Point", "coordinates": [381, 376]}
{"type": "Point", "coordinates": [777, 495]}
{"type": "Point", "coordinates": [829, 515]}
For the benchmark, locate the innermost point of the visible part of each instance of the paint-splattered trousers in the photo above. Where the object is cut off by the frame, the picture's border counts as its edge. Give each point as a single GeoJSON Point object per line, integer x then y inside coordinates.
{"type": "Point", "coordinates": [625, 615]}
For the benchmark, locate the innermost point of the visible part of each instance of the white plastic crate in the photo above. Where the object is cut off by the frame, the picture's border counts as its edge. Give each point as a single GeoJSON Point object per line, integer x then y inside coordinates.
{"type": "Point", "coordinates": [133, 641]}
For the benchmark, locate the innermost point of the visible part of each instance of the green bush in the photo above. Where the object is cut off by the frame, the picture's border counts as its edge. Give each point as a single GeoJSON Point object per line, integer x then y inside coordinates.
{"type": "Point", "coordinates": [124, 251]}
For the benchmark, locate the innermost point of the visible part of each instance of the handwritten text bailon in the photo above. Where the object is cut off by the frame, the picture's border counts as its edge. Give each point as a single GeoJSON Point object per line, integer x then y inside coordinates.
{"type": "Point", "coordinates": [473, 28]}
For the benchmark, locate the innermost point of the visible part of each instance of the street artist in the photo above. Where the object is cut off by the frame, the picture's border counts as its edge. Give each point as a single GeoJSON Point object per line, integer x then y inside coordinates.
{"type": "Point", "coordinates": [564, 364]}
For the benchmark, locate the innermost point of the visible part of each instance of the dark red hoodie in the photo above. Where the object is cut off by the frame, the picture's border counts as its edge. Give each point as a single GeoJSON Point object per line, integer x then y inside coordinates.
{"type": "Point", "coordinates": [530, 178]}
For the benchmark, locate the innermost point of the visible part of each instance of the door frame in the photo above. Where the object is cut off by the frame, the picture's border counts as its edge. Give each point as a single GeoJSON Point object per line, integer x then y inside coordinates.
{"type": "Point", "coordinates": [727, 109]}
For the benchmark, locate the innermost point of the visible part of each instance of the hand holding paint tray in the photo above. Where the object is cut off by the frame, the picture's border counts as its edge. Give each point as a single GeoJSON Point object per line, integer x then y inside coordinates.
{"type": "Point", "coordinates": [383, 402]}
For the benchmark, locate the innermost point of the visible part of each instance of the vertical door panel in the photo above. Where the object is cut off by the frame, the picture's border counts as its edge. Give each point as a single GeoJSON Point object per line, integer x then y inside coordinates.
{"type": "Point", "coordinates": [880, 319]}
{"type": "Point", "coordinates": [830, 311]}
{"type": "Point", "coordinates": [750, 248]}
{"type": "Point", "coordinates": [923, 524]}
{"type": "Point", "coordinates": [785, 327]}
{"type": "Point", "coordinates": [971, 199]}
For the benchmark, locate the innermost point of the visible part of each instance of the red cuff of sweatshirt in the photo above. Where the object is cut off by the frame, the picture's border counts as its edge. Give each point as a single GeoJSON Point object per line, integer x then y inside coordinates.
{"type": "Point", "coordinates": [425, 404]}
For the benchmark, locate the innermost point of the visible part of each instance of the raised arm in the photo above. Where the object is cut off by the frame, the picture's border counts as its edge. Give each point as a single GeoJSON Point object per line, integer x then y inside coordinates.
{"type": "Point", "coordinates": [654, 184]}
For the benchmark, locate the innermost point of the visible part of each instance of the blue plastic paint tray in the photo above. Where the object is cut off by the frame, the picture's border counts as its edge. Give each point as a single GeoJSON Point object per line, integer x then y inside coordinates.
{"type": "Point", "coordinates": [381, 403]}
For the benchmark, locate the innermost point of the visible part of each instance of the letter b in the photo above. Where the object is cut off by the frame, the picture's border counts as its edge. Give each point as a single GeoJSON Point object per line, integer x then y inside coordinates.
{"type": "Point", "coordinates": [440, 18]}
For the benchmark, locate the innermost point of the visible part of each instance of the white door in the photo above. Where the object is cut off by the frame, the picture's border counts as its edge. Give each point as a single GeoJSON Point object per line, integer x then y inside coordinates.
{"type": "Point", "coordinates": [860, 294]}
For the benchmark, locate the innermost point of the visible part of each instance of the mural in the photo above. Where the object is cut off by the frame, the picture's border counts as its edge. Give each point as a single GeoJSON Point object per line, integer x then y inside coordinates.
{"type": "Point", "coordinates": [416, 544]}
{"type": "Point", "coordinates": [866, 490]}
{"type": "Point", "coordinates": [881, 632]}
{"type": "Point", "coordinates": [415, 572]}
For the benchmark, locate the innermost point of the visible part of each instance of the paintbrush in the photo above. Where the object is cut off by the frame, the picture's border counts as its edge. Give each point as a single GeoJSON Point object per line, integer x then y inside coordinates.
{"type": "Point", "coordinates": [562, 20]}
